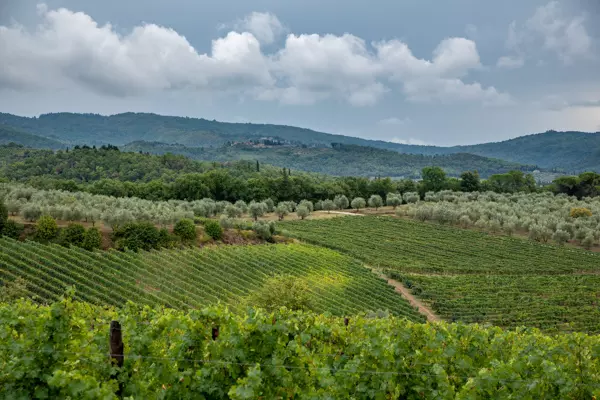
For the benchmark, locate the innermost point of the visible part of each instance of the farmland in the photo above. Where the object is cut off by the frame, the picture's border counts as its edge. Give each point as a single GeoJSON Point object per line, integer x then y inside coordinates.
{"type": "Point", "coordinates": [193, 278]}
{"type": "Point", "coordinates": [472, 276]}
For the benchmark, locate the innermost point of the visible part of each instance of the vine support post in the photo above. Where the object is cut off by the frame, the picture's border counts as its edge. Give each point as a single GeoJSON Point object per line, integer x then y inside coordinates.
{"type": "Point", "coordinates": [116, 350]}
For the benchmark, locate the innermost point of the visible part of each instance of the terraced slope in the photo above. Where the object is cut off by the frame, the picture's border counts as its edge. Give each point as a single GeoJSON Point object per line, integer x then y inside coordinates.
{"type": "Point", "coordinates": [471, 276]}
{"type": "Point", "coordinates": [194, 278]}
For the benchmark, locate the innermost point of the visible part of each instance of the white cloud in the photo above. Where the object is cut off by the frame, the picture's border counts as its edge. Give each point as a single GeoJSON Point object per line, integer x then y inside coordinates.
{"type": "Point", "coordinates": [510, 62]}
{"type": "Point", "coordinates": [553, 30]}
{"type": "Point", "coordinates": [69, 48]}
{"type": "Point", "coordinates": [412, 141]}
{"type": "Point", "coordinates": [265, 26]}
{"type": "Point", "coordinates": [394, 121]}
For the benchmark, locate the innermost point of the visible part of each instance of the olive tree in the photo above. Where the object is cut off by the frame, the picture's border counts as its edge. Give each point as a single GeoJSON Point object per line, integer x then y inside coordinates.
{"type": "Point", "coordinates": [358, 203]}
{"type": "Point", "coordinates": [393, 199]}
{"type": "Point", "coordinates": [302, 212]}
{"type": "Point", "coordinates": [375, 201]}
{"type": "Point", "coordinates": [257, 210]}
{"type": "Point", "coordinates": [328, 205]}
{"type": "Point", "coordinates": [282, 210]}
{"type": "Point", "coordinates": [341, 202]}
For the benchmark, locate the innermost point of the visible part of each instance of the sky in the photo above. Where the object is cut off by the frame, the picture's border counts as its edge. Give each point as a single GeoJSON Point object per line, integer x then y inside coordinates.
{"type": "Point", "coordinates": [409, 71]}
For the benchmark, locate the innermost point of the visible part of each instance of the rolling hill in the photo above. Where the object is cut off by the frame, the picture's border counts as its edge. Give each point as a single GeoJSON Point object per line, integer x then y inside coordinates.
{"type": "Point", "coordinates": [571, 152]}
{"type": "Point", "coordinates": [340, 159]}
{"type": "Point", "coordinates": [9, 135]}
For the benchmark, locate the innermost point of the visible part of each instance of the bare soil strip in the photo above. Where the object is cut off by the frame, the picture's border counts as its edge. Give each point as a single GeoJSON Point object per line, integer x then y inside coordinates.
{"type": "Point", "coordinates": [431, 317]}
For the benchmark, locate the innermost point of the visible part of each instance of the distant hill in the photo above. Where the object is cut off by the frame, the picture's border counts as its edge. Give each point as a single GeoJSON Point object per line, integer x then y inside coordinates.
{"type": "Point", "coordinates": [570, 152]}
{"type": "Point", "coordinates": [9, 134]}
{"type": "Point", "coordinates": [339, 160]}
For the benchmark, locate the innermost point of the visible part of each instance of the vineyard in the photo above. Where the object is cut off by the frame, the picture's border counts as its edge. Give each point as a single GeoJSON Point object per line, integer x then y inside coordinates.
{"type": "Point", "coordinates": [472, 276]}
{"type": "Point", "coordinates": [194, 278]}
{"type": "Point", "coordinates": [62, 351]}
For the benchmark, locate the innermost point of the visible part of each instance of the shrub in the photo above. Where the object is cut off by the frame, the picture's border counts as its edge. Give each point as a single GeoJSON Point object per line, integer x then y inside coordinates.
{"type": "Point", "coordinates": [92, 239]}
{"type": "Point", "coordinates": [579, 212]}
{"type": "Point", "coordinates": [185, 230]}
{"type": "Point", "coordinates": [166, 239]}
{"type": "Point", "coordinates": [12, 229]}
{"type": "Point", "coordinates": [282, 291]}
{"type": "Point", "coordinates": [226, 222]}
{"type": "Point", "coordinates": [213, 229]}
{"type": "Point", "coordinates": [588, 241]}
{"type": "Point", "coordinates": [72, 235]}
{"type": "Point", "coordinates": [46, 228]}
{"type": "Point", "coordinates": [264, 230]}
{"type": "Point", "coordinates": [137, 236]}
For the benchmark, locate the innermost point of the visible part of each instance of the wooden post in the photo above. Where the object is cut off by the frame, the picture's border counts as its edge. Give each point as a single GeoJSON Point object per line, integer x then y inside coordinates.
{"type": "Point", "coordinates": [116, 351]}
{"type": "Point", "coordinates": [215, 332]}
{"type": "Point", "coordinates": [116, 344]}
{"type": "Point", "coordinates": [346, 321]}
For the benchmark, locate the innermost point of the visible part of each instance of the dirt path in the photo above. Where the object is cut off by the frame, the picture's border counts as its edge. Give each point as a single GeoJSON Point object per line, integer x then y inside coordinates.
{"type": "Point", "coordinates": [347, 213]}
{"type": "Point", "coordinates": [431, 317]}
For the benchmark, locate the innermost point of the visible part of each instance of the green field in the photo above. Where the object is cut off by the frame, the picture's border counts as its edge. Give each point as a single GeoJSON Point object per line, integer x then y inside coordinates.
{"type": "Point", "coordinates": [194, 278]}
{"type": "Point", "coordinates": [472, 276]}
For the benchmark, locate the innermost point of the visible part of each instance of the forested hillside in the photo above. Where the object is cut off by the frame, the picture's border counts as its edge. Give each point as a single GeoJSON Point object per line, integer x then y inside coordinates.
{"type": "Point", "coordinates": [10, 135]}
{"type": "Point", "coordinates": [571, 152]}
{"type": "Point", "coordinates": [340, 159]}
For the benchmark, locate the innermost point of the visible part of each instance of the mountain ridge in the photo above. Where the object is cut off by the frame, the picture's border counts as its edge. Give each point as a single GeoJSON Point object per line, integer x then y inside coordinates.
{"type": "Point", "coordinates": [570, 151]}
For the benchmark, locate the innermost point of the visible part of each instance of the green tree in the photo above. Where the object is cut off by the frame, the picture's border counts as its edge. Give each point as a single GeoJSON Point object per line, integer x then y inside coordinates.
{"type": "Point", "coordinates": [358, 203]}
{"type": "Point", "coordinates": [393, 199]}
{"type": "Point", "coordinates": [282, 291]}
{"type": "Point", "coordinates": [73, 234]}
{"type": "Point", "coordinates": [12, 229]}
{"type": "Point", "coordinates": [302, 212]}
{"type": "Point", "coordinates": [46, 228]}
{"type": "Point", "coordinates": [257, 210]}
{"type": "Point", "coordinates": [185, 230]}
{"type": "Point", "coordinates": [470, 182]}
{"type": "Point", "coordinates": [375, 201]}
{"type": "Point", "coordinates": [190, 187]}
{"type": "Point", "coordinates": [434, 179]}
{"type": "Point", "coordinates": [137, 236]}
{"type": "Point", "coordinates": [328, 205]}
{"type": "Point", "coordinates": [213, 229]}
{"type": "Point", "coordinates": [282, 210]}
{"type": "Point", "coordinates": [341, 202]}
{"type": "Point", "coordinates": [92, 239]}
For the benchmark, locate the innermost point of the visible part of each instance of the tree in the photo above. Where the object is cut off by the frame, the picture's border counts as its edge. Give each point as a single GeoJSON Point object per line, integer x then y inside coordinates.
{"type": "Point", "coordinates": [233, 211]}
{"type": "Point", "coordinates": [282, 291]}
{"type": "Point", "coordinates": [264, 229]}
{"type": "Point", "coordinates": [72, 235]}
{"type": "Point", "coordinates": [270, 205]}
{"type": "Point", "coordinates": [358, 203]}
{"type": "Point", "coordinates": [31, 212]}
{"type": "Point", "coordinates": [561, 237]}
{"type": "Point", "coordinates": [137, 236]}
{"type": "Point", "coordinates": [434, 179]}
{"type": "Point", "coordinates": [341, 202]}
{"type": "Point", "coordinates": [190, 187]}
{"type": "Point", "coordinates": [12, 229]}
{"type": "Point", "coordinates": [303, 212]}
{"type": "Point", "coordinates": [328, 205]}
{"type": "Point", "coordinates": [393, 199]}
{"type": "Point", "coordinates": [213, 229]}
{"type": "Point", "coordinates": [185, 230]}
{"type": "Point", "coordinates": [92, 239]}
{"type": "Point", "coordinates": [375, 201]}
{"type": "Point", "coordinates": [470, 182]}
{"type": "Point", "coordinates": [46, 229]}
{"type": "Point", "coordinates": [281, 211]}
{"type": "Point", "coordinates": [308, 204]}
{"type": "Point", "coordinates": [257, 210]}
{"type": "Point", "coordinates": [241, 204]}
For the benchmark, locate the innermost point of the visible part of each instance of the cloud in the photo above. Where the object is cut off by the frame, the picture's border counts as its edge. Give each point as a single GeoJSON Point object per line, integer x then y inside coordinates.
{"type": "Point", "coordinates": [69, 48]}
{"type": "Point", "coordinates": [265, 26]}
{"type": "Point", "coordinates": [394, 121]}
{"type": "Point", "coordinates": [551, 29]}
{"type": "Point", "coordinates": [510, 62]}
{"type": "Point", "coordinates": [559, 103]}
{"type": "Point", "coordinates": [412, 141]}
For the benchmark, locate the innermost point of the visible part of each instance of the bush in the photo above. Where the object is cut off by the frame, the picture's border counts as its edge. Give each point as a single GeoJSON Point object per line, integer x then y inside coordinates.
{"type": "Point", "coordinates": [185, 230]}
{"type": "Point", "coordinates": [137, 236]}
{"type": "Point", "coordinates": [46, 228]}
{"type": "Point", "coordinates": [226, 222]}
{"type": "Point", "coordinates": [561, 237]}
{"type": "Point", "coordinates": [264, 230]}
{"type": "Point", "coordinates": [588, 241]}
{"type": "Point", "coordinates": [282, 291]}
{"type": "Point", "coordinates": [213, 229]}
{"type": "Point", "coordinates": [579, 212]}
{"type": "Point", "coordinates": [92, 239]}
{"type": "Point", "coordinates": [72, 235]}
{"type": "Point", "coordinates": [167, 240]}
{"type": "Point", "coordinates": [12, 229]}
